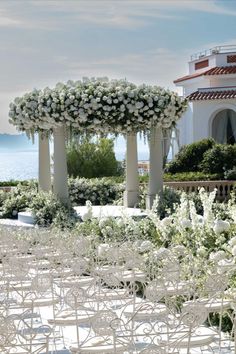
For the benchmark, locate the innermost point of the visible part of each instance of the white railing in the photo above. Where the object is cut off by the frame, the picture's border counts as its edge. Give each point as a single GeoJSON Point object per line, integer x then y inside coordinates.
{"type": "Point", "coordinates": [224, 188]}
{"type": "Point", "coordinates": [214, 50]}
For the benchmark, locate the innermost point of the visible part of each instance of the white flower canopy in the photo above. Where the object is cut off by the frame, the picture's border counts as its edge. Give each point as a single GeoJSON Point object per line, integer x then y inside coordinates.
{"type": "Point", "coordinates": [95, 106]}
{"type": "Point", "coordinates": [98, 106]}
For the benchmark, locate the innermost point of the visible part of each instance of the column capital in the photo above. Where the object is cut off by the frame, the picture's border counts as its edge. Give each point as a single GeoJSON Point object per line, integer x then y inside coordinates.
{"type": "Point", "coordinates": [59, 130]}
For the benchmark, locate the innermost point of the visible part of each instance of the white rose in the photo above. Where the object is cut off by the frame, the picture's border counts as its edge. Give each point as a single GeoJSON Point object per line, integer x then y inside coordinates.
{"type": "Point", "coordinates": [103, 249]}
{"type": "Point", "coordinates": [162, 253]}
{"type": "Point", "coordinates": [145, 246]}
{"type": "Point", "coordinates": [234, 251]}
{"type": "Point", "coordinates": [166, 221]}
{"type": "Point", "coordinates": [232, 242]}
{"type": "Point", "coordinates": [221, 226]}
{"type": "Point", "coordinates": [217, 256]}
{"type": "Point", "coordinates": [179, 250]}
{"type": "Point", "coordinates": [186, 223]}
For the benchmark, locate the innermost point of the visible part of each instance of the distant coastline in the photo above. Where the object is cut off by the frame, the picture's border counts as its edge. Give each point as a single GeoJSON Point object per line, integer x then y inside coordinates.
{"type": "Point", "coordinates": [19, 156]}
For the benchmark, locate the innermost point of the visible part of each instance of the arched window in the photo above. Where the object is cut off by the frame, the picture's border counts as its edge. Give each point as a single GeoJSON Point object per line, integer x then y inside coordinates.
{"type": "Point", "coordinates": [224, 127]}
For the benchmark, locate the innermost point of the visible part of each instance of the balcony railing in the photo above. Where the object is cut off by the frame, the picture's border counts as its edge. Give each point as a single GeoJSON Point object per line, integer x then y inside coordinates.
{"type": "Point", "coordinates": [214, 50]}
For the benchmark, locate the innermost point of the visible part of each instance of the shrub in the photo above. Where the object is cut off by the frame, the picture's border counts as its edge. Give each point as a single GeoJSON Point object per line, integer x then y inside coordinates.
{"type": "Point", "coordinates": [166, 203]}
{"type": "Point", "coordinates": [169, 198]}
{"type": "Point", "coordinates": [230, 174]}
{"type": "Point", "coordinates": [18, 199]}
{"type": "Point", "coordinates": [219, 159]}
{"type": "Point", "coordinates": [190, 156]}
{"type": "Point", "coordinates": [190, 176]}
{"type": "Point", "coordinates": [48, 210]}
{"type": "Point", "coordinates": [93, 159]}
{"type": "Point", "coordinates": [14, 183]}
{"type": "Point", "coordinates": [3, 196]}
{"type": "Point", "coordinates": [100, 191]}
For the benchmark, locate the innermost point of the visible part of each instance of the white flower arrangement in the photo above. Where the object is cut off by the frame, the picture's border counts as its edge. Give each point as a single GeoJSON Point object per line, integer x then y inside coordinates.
{"type": "Point", "coordinates": [100, 191]}
{"type": "Point", "coordinates": [97, 106]}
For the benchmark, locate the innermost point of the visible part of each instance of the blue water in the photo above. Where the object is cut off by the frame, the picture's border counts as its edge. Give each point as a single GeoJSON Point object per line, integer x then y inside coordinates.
{"type": "Point", "coordinates": [23, 165]}
{"type": "Point", "coordinates": [19, 157]}
{"type": "Point", "coordinates": [18, 165]}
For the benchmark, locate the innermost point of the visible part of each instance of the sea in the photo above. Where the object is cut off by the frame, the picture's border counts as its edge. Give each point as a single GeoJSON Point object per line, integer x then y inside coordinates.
{"type": "Point", "coordinates": [18, 165]}
{"type": "Point", "coordinates": [23, 165]}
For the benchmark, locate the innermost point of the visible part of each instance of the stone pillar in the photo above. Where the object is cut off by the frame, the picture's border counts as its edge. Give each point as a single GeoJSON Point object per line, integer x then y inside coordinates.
{"type": "Point", "coordinates": [60, 186]}
{"type": "Point", "coordinates": [155, 184]}
{"type": "Point", "coordinates": [131, 193]}
{"type": "Point", "coordinates": [44, 163]}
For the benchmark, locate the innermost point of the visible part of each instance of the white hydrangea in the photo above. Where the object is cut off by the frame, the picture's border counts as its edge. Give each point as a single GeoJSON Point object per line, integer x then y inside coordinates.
{"type": "Point", "coordinates": [221, 226]}
{"type": "Point", "coordinates": [145, 246]}
{"type": "Point", "coordinates": [232, 241]}
{"type": "Point", "coordinates": [103, 249]}
{"type": "Point", "coordinates": [94, 103]}
{"type": "Point", "coordinates": [186, 223]}
{"type": "Point", "coordinates": [217, 256]}
{"type": "Point", "coordinates": [233, 251]}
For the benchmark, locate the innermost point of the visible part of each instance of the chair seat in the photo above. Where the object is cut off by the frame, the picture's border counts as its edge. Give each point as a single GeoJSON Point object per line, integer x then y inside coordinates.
{"type": "Point", "coordinates": [68, 318]}
{"type": "Point", "coordinates": [39, 302]}
{"type": "Point", "coordinates": [145, 311]}
{"type": "Point", "coordinates": [212, 305]}
{"type": "Point", "coordinates": [100, 345]}
{"type": "Point", "coordinates": [200, 337]}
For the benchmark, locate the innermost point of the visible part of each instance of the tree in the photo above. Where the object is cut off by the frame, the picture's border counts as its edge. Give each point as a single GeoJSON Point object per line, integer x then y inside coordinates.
{"type": "Point", "coordinates": [89, 159]}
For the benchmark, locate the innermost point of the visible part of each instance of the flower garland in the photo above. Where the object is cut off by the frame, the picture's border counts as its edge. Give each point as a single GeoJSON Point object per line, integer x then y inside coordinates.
{"type": "Point", "coordinates": [97, 106]}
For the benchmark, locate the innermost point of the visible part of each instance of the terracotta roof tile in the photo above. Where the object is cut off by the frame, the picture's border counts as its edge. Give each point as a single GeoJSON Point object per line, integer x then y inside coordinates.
{"type": "Point", "coordinates": [224, 70]}
{"type": "Point", "coordinates": [218, 70]}
{"type": "Point", "coordinates": [212, 95]}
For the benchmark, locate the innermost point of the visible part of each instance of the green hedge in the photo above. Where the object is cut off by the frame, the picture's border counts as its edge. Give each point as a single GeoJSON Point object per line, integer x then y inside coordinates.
{"type": "Point", "coordinates": [220, 159]}
{"type": "Point", "coordinates": [191, 176]}
{"type": "Point", "coordinates": [100, 191]}
{"type": "Point", "coordinates": [190, 156]}
{"type": "Point", "coordinates": [13, 183]}
{"type": "Point", "coordinates": [185, 176]}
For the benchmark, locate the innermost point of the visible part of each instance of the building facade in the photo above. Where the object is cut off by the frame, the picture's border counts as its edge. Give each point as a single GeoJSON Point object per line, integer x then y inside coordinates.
{"type": "Point", "coordinates": [210, 87]}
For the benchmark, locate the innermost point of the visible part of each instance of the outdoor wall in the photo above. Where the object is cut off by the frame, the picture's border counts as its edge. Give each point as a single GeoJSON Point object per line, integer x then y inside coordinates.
{"type": "Point", "coordinates": [185, 127]}
{"type": "Point", "coordinates": [196, 123]}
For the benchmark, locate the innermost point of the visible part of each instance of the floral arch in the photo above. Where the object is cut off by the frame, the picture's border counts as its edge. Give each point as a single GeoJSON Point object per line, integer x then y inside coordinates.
{"type": "Point", "coordinates": [98, 106]}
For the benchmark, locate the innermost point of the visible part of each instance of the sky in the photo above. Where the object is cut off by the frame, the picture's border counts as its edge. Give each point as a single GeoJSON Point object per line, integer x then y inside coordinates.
{"type": "Point", "coordinates": [146, 41]}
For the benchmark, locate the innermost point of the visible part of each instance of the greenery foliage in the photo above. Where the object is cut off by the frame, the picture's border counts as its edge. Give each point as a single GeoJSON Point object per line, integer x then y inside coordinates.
{"type": "Point", "coordinates": [166, 200]}
{"type": "Point", "coordinates": [14, 183]}
{"type": "Point", "coordinates": [219, 159]}
{"type": "Point", "coordinates": [190, 156]}
{"type": "Point", "coordinates": [203, 160]}
{"type": "Point", "coordinates": [18, 199]}
{"type": "Point", "coordinates": [49, 210]}
{"type": "Point", "coordinates": [230, 174]}
{"type": "Point", "coordinates": [191, 176]}
{"type": "Point", "coordinates": [93, 159]}
{"type": "Point", "coordinates": [100, 191]}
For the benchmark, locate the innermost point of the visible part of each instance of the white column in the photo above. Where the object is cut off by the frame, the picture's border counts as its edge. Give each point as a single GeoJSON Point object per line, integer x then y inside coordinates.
{"type": "Point", "coordinates": [131, 193]}
{"type": "Point", "coordinates": [44, 163]}
{"type": "Point", "coordinates": [60, 186]}
{"type": "Point", "coordinates": [155, 184]}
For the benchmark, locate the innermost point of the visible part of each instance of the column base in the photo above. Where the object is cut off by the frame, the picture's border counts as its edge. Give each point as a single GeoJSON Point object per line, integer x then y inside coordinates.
{"type": "Point", "coordinates": [131, 199]}
{"type": "Point", "coordinates": [150, 200]}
